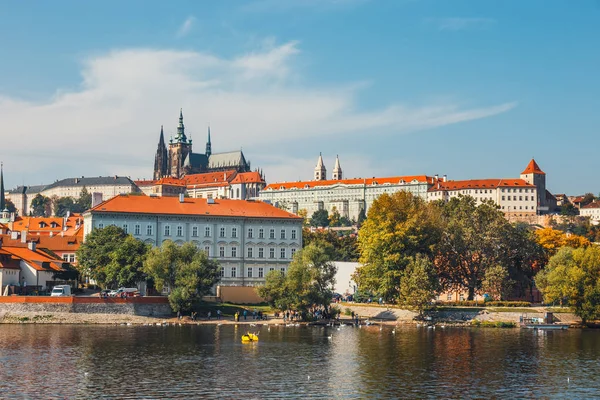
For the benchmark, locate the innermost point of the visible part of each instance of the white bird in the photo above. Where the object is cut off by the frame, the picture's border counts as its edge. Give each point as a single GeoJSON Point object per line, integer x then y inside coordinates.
{"type": "Point", "coordinates": [393, 331]}
{"type": "Point", "coordinates": [380, 328]}
{"type": "Point", "coordinates": [329, 337]}
{"type": "Point", "coordinates": [309, 377]}
{"type": "Point", "coordinates": [86, 373]}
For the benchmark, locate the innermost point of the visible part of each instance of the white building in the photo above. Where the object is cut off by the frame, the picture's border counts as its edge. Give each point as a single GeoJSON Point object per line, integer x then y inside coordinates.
{"type": "Point", "coordinates": [225, 185]}
{"type": "Point", "coordinates": [27, 266]}
{"type": "Point", "coordinates": [592, 211]}
{"type": "Point", "coordinates": [248, 238]}
{"type": "Point", "coordinates": [348, 196]}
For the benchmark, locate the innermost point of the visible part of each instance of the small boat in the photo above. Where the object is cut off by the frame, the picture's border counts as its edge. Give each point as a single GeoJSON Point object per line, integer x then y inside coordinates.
{"type": "Point", "coordinates": [249, 337]}
{"type": "Point", "coordinates": [545, 323]}
{"type": "Point", "coordinates": [545, 326]}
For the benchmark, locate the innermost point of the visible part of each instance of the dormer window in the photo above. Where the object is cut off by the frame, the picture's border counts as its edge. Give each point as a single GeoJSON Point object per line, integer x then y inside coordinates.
{"type": "Point", "coordinates": [53, 224]}
{"type": "Point", "coordinates": [42, 224]}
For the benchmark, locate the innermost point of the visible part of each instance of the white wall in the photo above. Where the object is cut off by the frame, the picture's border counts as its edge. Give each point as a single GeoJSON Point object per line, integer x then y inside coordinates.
{"type": "Point", "coordinates": [343, 278]}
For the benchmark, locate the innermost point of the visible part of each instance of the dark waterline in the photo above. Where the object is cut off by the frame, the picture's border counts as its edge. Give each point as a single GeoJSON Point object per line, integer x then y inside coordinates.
{"type": "Point", "coordinates": [74, 361]}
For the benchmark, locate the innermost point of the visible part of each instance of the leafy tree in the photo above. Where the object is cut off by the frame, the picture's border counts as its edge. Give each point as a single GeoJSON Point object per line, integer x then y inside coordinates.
{"type": "Point", "coordinates": [362, 216]}
{"type": "Point", "coordinates": [40, 206]}
{"type": "Point", "coordinates": [94, 255]}
{"type": "Point", "coordinates": [399, 227]}
{"type": "Point", "coordinates": [474, 240]}
{"type": "Point", "coordinates": [126, 263]}
{"type": "Point", "coordinates": [63, 205]}
{"type": "Point", "coordinates": [495, 282]}
{"type": "Point", "coordinates": [418, 284]}
{"type": "Point", "coordinates": [84, 202]}
{"type": "Point", "coordinates": [568, 209]}
{"type": "Point", "coordinates": [345, 245]}
{"type": "Point", "coordinates": [304, 214]}
{"type": "Point", "coordinates": [334, 218]}
{"type": "Point", "coordinates": [320, 218]}
{"type": "Point", "coordinates": [552, 240]}
{"type": "Point", "coordinates": [10, 206]}
{"type": "Point", "coordinates": [308, 283]}
{"type": "Point", "coordinates": [344, 221]}
{"type": "Point", "coordinates": [587, 199]}
{"type": "Point", "coordinates": [185, 270]}
{"type": "Point", "coordinates": [573, 276]}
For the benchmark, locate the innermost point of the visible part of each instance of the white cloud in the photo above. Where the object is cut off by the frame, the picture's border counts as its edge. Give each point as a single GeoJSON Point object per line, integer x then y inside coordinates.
{"type": "Point", "coordinates": [186, 27]}
{"type": "Point", "coordinates": [110, 125]}
{"type": "Point", "coordinates": [459, 24]}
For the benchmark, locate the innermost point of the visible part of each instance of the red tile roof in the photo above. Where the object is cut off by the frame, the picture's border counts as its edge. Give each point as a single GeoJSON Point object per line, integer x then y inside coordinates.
{"type": "Point", "coordinates": [34, 224]}
{"type": "Point", "coordinates": [172, 206]}
{"type": "Point", "coordinates": [248, 177]}
{"type": "Point", "coordinates": [162, 181]}
{"type": "Point", "coordinates": [480, 184]}
{"type": "Point", "coordinates": [357, 181]}
{"type": "Point", "coordinates": [593, 204]}
{"type": "Point", "coordinates": [210, 177]}
{"type": "Point", "coordinates": [8, 261]}
{"type": "Point", "coordinates": [53, 243]}
{"type": "Point", "coordinates": [533, 168]}
{"type": "Point", "coordinates": [37, 259]}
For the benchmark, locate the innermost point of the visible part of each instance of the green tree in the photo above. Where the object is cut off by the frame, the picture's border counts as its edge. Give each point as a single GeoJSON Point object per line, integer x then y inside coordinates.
{"type": "Point", "coordinates": [587, 199]}
{"type": "Point", "coordinates": [40, 206]}
{"type": "Point", "coordinates": [568, 209]}
{"type": "Point", "coordinates": [398, 227]}
{"type": "Point", "coordinates": [345, 245]}
{"type": "Point", "coordinates": [496, 282]}
{"type": "Point", "coordinates": [418, 284]}
{"type": "Point", "coordinates": [573, 276]}
{"type": "Point", "coordinates": [94, 255]}
{"type": "Point", "coordinates": [84, 202]}
{"type": "Point", "coordinates": [63, 205]}
{"type": "Point", "coordinates": [10, 206]}
{"type": "Point", "coordinates": [185, 270]}
{"type": "Point", "coordinates": [320, 218]}
{"type": "Point", "coordinates": [334, 217]}
{"type": "Point", "coordinates": [126, 263]}
{"type": "Point", "coordinates": [362, 216]}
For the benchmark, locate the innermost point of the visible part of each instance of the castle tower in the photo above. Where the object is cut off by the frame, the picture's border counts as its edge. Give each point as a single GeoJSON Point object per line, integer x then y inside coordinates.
{"type": "Point", "coordinates": [535, 176]}
{"type": "Point", "coordinates": [208, 151]}
{"type": "Point", "coordinates": [161, 161]}
{"type": "Point", "coordinates": [179, 148]}
{"type": "Point", "coordinates": [320, 171]}
{"type": "Point", "coordinates": [337, 170]}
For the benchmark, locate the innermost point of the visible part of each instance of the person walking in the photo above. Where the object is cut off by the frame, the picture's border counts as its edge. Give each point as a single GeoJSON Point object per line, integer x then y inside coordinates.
{"type": "Point", "coordinates": [245, 314]}
{"type": "Point", "coordinates": [209, 315]}
{"type": "Point", "coordinates": [219, 314]}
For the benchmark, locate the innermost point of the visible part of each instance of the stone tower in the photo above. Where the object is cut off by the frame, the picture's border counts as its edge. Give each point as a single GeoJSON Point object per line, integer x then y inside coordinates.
{"type": "Point", "coordinates": [535, 176]}
{"type": "Point", "coordinates": [161, 159]}
{"type": "Point", "coordinates": [320, 171]}
{"type": "Point", "coordinates": [337, 170]}
{"type": "Point", "coordinates": [179, 148]}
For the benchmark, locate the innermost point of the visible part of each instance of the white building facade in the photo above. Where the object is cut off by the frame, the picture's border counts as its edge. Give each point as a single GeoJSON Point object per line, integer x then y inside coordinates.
{"type": "Point", "coordinates": [248, 239]}
{"type": "Point", "coordinates": [592, 211]}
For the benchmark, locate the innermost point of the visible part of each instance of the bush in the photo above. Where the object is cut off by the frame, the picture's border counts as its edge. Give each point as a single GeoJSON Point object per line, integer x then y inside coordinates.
{"type": "Point", "coordinates": [508, 304]}
{"type": "Point", "coordinates": [474, 303]}
{"type": "Point", "coordinates": [493, 324]}
{"type": "Point", "coordinates": [347, 311]}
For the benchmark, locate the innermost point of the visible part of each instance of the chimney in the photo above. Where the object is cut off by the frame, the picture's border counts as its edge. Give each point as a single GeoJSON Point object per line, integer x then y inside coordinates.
{"type": "Point", "coordinates": [23, 236]}
{"type": "Point", "coordinates": [51, 233]}
{"type": "Point", "coordinates": [445, 178]}
{"type": "Point", "coordinates": [181, 197]}
{"type": "Point", "coordinates": [31, 246]}
{"type": "Point", "coordinates": [437, 177]}
{"type": "Point", "coordinates": [96, 199]}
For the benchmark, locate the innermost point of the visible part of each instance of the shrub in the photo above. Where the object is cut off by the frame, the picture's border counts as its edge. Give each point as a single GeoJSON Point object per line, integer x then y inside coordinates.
{"type": "Point", "coordinates": [347, 311]}
{"type": "Point", "coordinates": [493, 324]}
{"type": "Point", "coordinates": [508, 304]}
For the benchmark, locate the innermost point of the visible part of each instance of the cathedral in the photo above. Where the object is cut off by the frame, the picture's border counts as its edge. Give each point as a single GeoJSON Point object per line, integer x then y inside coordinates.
{"type": "Point", "coordinates": [178, 159]}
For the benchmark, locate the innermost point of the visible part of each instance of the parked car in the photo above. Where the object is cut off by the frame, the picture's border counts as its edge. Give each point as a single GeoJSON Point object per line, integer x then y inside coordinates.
{"type": "Point", "coordinates": [124, 292]}
{"type": "Point", "coordinates": [61, 290]}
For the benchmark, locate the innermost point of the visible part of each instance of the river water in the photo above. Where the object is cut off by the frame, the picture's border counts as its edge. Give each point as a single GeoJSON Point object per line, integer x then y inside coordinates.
{"type": "Point", "coordinates": [79, 361]}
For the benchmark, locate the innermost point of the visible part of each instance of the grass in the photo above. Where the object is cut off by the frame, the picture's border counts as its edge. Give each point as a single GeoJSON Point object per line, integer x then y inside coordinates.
{"type": "Point", "coordinates": [493, 324]}
{"type": "Point", "coordinates": [229, 309]}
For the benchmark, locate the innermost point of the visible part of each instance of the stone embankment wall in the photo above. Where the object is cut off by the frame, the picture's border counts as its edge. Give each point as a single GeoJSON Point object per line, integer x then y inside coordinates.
{"type": "Point", "coordinates": [144, 306]}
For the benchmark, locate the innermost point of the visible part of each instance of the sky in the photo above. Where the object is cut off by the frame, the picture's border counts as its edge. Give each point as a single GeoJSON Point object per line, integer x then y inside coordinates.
{"type": "Point", "coordinates": [467, 88]}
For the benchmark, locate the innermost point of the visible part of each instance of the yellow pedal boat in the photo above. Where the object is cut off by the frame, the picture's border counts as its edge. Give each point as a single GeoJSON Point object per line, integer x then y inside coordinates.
{"type": "Point", "coordinates": [249, 337]}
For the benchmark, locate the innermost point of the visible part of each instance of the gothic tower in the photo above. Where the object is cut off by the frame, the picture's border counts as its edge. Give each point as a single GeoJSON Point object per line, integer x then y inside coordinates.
{"type": "Point", "coordinates": [179, 148]}
{"type": "Point", "coordinates": [4, 214]}
{"type": "Point", "coordinates": [320, 171]}
{"type": "Point", "coordinates": [161, 159]}
{"type": "Point", "coordinates": [208, 151]}
{"type": "Point", "coordinates": [337, 170]}
{"type": "Point", "coordinates": [535, 176]}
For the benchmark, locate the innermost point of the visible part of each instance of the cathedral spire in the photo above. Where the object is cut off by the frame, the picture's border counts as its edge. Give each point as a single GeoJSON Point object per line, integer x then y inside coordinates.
{"type": "Point", "coordinates": [180, 129]}
{"type": "Point", "coordinates": [337, 169]}
{"type": "Point", "coordinates": [208, 144]}
{"type": "Point", "coordinates": [161, 141]}
{"type": "Point", "coordinates": [320, 171]}
{"type": "Point", "coordinates": [2, 199]}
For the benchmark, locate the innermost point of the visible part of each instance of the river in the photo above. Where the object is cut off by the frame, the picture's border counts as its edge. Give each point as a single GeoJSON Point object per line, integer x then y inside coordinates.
{"type": "Point", "coordinates": [209, 361]}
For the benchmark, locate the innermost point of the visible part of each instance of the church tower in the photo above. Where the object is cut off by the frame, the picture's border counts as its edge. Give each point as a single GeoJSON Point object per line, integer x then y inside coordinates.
{"type": "Point", "coordinates": [179, 148]}
{"type": "Point", "coordinates": [320, 171]}
{"type": "Point", "coordinates": [208, 145]}
{"type": "Point", "coordinates": [161, 159]}
{"type": "Point", "coordinates": [337, 170]}
{"type": "Point", "coordinates": [4, 213]}
{"type": "Point", "coordinates": [535, 176]}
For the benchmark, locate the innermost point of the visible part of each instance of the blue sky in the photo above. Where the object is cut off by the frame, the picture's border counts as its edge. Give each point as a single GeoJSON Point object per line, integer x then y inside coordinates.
{"type": "Point", "coordinates": [471, 89]}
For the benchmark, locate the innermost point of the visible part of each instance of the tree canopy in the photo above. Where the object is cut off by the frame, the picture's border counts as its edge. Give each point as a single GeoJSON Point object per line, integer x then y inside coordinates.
{"type": "Point", "coordinates": [418, 284]}
{"type": "Point", "coordinates": [552, 240]}
{"type": "Point", "coordinates": [320, 218]}
{"type": "Point", "coordinates": [345, 245]}
{"type": "Point", "coordinates": [40, 206]}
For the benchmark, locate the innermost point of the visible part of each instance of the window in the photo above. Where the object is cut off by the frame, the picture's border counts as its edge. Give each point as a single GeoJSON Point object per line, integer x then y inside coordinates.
{"type": "Point", "coordinates": [271, 252]}
{"type": "Point", "coordinates": [149, 230]}
{"type": "Point", "coordinates": [126, 228]}
{"type": "Point", "coordinates": [283, 234]}
{"type": "Point", "coordinates": [167, 230]}
{"type": "Point", "coordinates": [221, 251]}
{"type": "Point", "coordinates": [282, 270]}
{"type": "Point", "coordinates": [207, 231]}
{"type": "Point", "coordinates": [261, 233]}
{"type": "Point", "coordinates": [249, 252]}
{"type": "Point", "coordinates": [293, 234]}
{"type": "Point", "coordinates": [180, 231]}
{"type": "Point", "coordinates": [207, 250]}
{"type": "Point", "coordinates": [293, 251]}
{"type": "Point", "coordinates": [136, 229]}
{"type": "Point", "coordinates": [520, 198]}
{"type": "Point", "coordinates": [503, 198]}
{"type": "Point", "coordinates": [100, 225]}
{"type": "Point", "coordinates": [195, 231]}
{"type": "Point", "coordinates": [250, 233]}
{"type": "Point", "coordinates": [449, 297]}
{"type": "Point", "coordinates": [222, 272]}
{"type": "Point", "coordinates": [234, 251]}
{"type": "Point", "coordinates": [261, 272]}
{"type": "Point", "coordinates": [222, 232]}
{"type": "Point", "coordinates": [282, 253]}
{"type": "Point", "coordinates": [261, 252]}
{"type": "Point", "coordinates": [233, 232]}
{"type": "Point", "coordinates": [249, 272]}
{"type": "Point", "coordinates": [271, 269]}
{"type": "Point", "coordinates": [233, 272]}
{"type": "Point", "coordinates": [272, 233]}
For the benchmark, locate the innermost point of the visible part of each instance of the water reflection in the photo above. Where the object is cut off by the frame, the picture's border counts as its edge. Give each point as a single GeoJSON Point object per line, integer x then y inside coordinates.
{"type": "Point", "coordinates": [291, 362]}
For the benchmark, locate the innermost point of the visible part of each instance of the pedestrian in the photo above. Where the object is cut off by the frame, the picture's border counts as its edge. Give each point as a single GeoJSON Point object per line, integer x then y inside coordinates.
{"type": "Point", "coordinates": [219, 314]}
{"type": "Point", "coordinates": [209, 314]}
{"type": "Point", "coordinates": [236, 316]}
{"type": "Point", "coordinates": [352, 314]}
{"type": "Point", "coordinates": [178, 314]}
{"type": "Point", "coordinates": [245, 314]}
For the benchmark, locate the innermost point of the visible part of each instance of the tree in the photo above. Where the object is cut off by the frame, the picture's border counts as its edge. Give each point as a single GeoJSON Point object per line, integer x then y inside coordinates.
{"type": "Point", "coordinates": [345, 245]}
{"type": "Point", "coordinates": [362, 216]}
{"type": "Point", "coordinates": [84, 202]}
{"type": "Point", "coordinates": [495, 282]}
{"type": "Point", "coordinates": [587, 199]}
{"type": "Point", "coordinates": [569, 209]}
{"type": "Point", "coordinates": [63, 205]}
{"type": "Point", "coordinates": [40, 206]}
{"type": "Point", "coordinates": [126, 263]}
{"type": "Point", "coordinates": [185, 270]}
{"type": "Point", "coordinates": [94, 255]}
{"type": "Point", "coordinates": [474, 240]}
{"type": "Point", "coordinates": [10, 206]}
{"type": "Point", "coordinates": [304, 214]}
{"type": "Point", "coordinates": [334, 218]}
{"type": "Point", "coordinates": [320, 218]}
{"type": "Point", "coordinates": [552, 240]}
{"type": "Point", "coordinates": [308, 283]}
{"type": "Point", "coordinates": [398, 227]}
{"type": "Point", "coordinates": [418, 284]}
{"type": "Point", "coordinates": [573, 276]}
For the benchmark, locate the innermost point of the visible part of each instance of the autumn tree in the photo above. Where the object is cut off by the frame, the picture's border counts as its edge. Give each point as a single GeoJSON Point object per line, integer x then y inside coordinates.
{"type": "Point", "coordinates": [552, 240]}
{"type": "Point", "coordinates": [334, 217]}
{"type": "Point", "coordinates": [418, 284]}
{"type": "Point", "coordinates": [398, 228]}
{"type": "Point", "coordinates": [496, 282]}
{"type": "Point", "coordinates": [304, 214]}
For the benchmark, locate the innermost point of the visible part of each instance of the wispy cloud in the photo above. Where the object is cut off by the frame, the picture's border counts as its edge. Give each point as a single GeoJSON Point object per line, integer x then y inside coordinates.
{"type": "Point", "coordinates": [251, 100]}
{"type": "Point", "coordinates": [459, 23]}
{"type": "Point", "coordinates": [186, 26]}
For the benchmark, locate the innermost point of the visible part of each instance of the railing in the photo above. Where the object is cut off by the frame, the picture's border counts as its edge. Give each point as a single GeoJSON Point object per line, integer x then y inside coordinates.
{"type": "Point", "coordinates": [83, 300]}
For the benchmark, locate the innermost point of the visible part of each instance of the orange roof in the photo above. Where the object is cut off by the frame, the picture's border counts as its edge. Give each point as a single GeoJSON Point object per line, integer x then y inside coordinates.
{"type": "Point", "coordinates": [43, 225]}
{"type": "Point", "coordinates": [593, 204]}
{"type": "Point", "coordinates": [248, 177]}
{"type": "Point", "coordinates": [172, 206]}
{"type": "Point", "coordinates": [533, 168]}
{"type": "Point", "coordinates": [53, 243]}
{"type": "Point", "coordinates": [8, 261]}
{"type": "Point", "coordinates": [38, 260]}
{"type": "Point", "coordinates": [162, 181]}
{"type": "Point", "coordinates": [357, 181]}
{"type": "Point", "coordinates": [209, 177]}
{"type": "Point", "coordinates": [480, 184]}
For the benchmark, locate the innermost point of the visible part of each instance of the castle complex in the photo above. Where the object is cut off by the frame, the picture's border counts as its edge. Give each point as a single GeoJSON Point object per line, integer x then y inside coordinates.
{"type": "Point", "coordinates": [178, 159]}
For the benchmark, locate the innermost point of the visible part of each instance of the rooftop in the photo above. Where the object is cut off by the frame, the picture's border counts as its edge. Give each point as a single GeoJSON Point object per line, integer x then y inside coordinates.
{"type": "Point", "coordinates": [395, 180]}
{"type": "Point", "coordinates": [533, 168]}
{"type": "Point", "coordinates": [480, 184]}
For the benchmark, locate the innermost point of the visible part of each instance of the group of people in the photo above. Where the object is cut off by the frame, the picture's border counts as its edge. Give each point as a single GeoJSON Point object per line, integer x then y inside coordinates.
{"type": "Point", "coordinates": [256, 314]}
